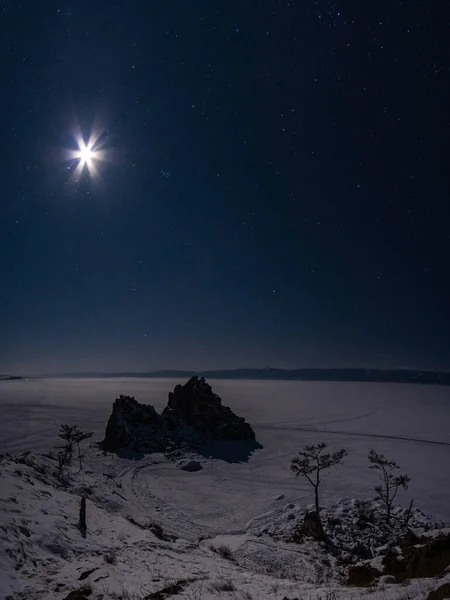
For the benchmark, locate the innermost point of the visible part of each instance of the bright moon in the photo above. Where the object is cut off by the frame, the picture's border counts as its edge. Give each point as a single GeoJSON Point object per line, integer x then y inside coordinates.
{"type": "Point", "coordinates": [85, 154]}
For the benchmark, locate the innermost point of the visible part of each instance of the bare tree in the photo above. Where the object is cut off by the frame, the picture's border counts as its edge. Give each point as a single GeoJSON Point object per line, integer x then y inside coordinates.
{"type": "Point", "coordinates": [66, 433]}
{"type": "Point", "coordinates": [72, 436]}
{"type": "Point", "coordinates": [62, 460]}
{"type": "Point", "coordinates": [390, 482]}
{"type": "Point", "coordinates": [311, 461]}
{"type": "Point", "coordinates": [80, 436]}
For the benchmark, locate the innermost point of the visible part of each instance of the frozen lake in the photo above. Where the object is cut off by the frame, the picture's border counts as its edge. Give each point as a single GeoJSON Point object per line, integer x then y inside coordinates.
{"type": "Point", "coordinates": [409, 423]}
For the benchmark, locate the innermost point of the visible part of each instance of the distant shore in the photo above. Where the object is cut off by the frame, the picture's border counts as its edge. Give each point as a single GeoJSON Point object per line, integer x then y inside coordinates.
{"type": "Point", "coordinates": [272, 374]}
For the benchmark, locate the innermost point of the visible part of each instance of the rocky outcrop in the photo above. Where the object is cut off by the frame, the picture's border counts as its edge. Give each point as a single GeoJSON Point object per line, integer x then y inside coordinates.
{"type": "Point", "coordinates": [135, 426]}
{"type": "Point", "coordinates": [196, 405]}
{"type": "Point", "coordinates": [409, 538]}
{"type": "Point", "coordinates": [428, 558]}
{"type": "Point", "coordinates": [431, 559]}
{"type": "Point", "coordinates": [442, 592]}
{"type": "Point", "coordinates": [193, 416]}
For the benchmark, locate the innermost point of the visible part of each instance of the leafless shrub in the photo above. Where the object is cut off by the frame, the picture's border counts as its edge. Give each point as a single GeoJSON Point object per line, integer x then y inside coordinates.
{"type": "Point", "coordinates": [225, 552]}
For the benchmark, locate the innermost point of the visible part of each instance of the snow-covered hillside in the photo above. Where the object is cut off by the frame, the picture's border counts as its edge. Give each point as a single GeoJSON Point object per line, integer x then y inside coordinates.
{"type": "Point", "coordinates": [224, 528]}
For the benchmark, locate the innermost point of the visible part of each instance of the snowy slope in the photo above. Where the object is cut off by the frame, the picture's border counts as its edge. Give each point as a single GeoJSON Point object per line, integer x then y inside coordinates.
{"type": "Point", "coordinates": [248, 506]}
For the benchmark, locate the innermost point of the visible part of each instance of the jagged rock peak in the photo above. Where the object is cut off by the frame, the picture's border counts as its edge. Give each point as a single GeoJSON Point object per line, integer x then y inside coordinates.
{"type": "Point", "coordinates": [200, 408]}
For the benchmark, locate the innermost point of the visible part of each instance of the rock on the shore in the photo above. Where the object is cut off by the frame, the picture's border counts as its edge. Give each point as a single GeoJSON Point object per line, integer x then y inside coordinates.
{"type": "Point", "coordinates": [193, 416]}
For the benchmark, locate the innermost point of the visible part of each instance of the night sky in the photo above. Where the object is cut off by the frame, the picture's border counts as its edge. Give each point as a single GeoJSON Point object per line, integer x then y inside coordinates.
{"type": "Point", "coordinates": [274, 189]}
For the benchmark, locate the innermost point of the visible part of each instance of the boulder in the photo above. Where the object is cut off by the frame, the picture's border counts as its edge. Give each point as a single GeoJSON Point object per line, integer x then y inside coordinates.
{"type": "Point", "coordinates": [191, 466]}
{"type": "Point", "coordinates": [409, 538]}
{"type": "Point", "coordinates": [159, 532]}
{"type": "Point", "coordinates": [431, 559]}
{"type": "Point", "coordinates": [361, 550]}
{"type": "Point", "coordinates": [195, 405]}
{"type": "Point", "coordinates": [387, 580]}
{"type": "Point", "coordinates": [311, 528]}
{"type": "Point", "coordinates": [440, 593]}
{"type": "Point", "coordinates": [362, 575]}
{"type": "Point", "coordinates": [80, 594]}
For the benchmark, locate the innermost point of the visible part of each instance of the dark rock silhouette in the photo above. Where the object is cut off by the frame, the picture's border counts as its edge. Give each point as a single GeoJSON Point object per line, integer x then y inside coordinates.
{"type": "Point", "coordinates": [196, 405]}
{"type": "Point", "coordinates": [409, 538]}
{"type": "Point", "coordinates": [428, 558]}
{"type": "Point", "coordinates": [431, 559]}
{"type": "Point", "coordinates": [134, 426]}
{"type": "Point", "coordinates": [440, 593]}
{"type": "Point", "coordinates": [312, 526]}
{"type": "Point", "coordinates": [193, 418]}
{"type": "Point", "coordinates": [362, 575]}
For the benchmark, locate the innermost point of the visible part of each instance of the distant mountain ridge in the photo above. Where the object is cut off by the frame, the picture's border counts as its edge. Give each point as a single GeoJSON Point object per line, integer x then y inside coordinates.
{"type": "Point", "coordinates": [273, 374]}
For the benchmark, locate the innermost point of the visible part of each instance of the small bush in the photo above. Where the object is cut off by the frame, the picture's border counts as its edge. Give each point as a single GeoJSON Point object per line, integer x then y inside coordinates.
{"type": "Point", "coordinates": [225, 552]}
{"type": "Point", "coordinates": [110, 558]}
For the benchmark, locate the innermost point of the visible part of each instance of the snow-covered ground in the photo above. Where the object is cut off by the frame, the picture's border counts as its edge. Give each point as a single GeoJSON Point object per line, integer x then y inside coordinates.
{"type": "Point", "coordinates": [246, 505]}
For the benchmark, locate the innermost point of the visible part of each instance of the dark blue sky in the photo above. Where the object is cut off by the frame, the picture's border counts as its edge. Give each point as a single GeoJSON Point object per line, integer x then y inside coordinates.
{"type": "Point", "coordinates": [276, 190]}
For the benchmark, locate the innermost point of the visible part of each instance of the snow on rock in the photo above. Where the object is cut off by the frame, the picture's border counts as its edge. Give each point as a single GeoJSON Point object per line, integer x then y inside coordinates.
{"type": "Point", "coordinates": [134, 547]}
{"type": "Point", "coordinates": [346, 522]}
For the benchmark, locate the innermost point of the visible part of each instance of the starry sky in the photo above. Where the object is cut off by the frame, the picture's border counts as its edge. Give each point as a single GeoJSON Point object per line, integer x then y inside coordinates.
{"type": "Point", "coordinates": [274, 189]}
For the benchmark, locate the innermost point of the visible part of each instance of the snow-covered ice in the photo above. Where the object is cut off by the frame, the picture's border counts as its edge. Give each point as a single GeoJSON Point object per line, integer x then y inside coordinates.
{"type": "Point", "coordinates": [245, 506]}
